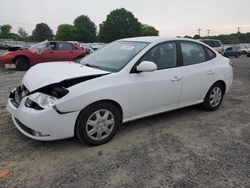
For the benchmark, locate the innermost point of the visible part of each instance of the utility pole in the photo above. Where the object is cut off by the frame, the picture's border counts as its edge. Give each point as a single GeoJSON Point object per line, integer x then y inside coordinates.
{"type": "Point", "coordinates": [208, 32]}
{"type": "Point", "coordinates": [238, 28]}
{"type": "Point", "coordinates": [199, 31]}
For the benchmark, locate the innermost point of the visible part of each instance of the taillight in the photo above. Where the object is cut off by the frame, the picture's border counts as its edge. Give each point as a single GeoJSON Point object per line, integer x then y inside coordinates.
{"type": "Point", "coordinates": [231, 63]}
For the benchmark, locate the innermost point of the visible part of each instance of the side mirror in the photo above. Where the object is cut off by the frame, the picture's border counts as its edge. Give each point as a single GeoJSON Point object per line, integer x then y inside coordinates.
{"type": "Point", "coordinates": [146, 66]}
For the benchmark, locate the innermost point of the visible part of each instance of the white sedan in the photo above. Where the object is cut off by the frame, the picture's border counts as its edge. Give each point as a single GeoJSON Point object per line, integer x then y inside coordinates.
{"type": "Point", "coordinates": [126, 80]}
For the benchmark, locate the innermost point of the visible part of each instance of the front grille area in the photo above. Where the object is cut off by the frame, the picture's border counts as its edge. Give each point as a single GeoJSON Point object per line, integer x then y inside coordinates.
{"type": "Point", "coordinates": [17, 95]}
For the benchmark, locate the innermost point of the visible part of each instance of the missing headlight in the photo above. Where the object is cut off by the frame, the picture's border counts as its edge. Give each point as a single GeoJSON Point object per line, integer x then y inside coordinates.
{"type": "Point", "coordinates": [32, 104]}
{"type": "Point", "coordinates": [54, 90]}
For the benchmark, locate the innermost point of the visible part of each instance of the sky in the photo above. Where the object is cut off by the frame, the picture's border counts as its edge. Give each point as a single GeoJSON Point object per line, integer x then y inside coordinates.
{"type": "Point", "coordinates": [171, 17]}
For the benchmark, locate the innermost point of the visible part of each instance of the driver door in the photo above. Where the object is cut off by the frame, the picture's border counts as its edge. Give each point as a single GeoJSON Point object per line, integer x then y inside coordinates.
{"type": "Point", "coordinates": [157, 91]}
{"type": "Point", "coordinates": [45, 54]}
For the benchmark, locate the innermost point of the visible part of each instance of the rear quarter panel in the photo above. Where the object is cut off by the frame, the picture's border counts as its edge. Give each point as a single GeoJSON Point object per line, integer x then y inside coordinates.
{"type": "Point", "coordinates": [224, 71]}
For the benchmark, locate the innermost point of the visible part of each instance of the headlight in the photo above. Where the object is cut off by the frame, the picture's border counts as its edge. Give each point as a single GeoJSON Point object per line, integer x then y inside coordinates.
{"type": "Point", "coordinates": [43, 100]}
{"type": "Point", "coordinates": [6, 53]}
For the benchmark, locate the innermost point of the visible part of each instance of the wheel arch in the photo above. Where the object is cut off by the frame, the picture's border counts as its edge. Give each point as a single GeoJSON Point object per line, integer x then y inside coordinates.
{"type": "Point", "coordinates": [20, 56]}
{"type": "Point", "coordinates": [116, 104]}
{"type": "Point", "coordinates": [222, 83]}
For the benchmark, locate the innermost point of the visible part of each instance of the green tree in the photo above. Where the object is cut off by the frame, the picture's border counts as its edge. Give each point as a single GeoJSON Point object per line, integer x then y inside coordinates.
{"type": "Point", "coordinates": [147, 30]}
{"type": "Point", "coordinates": [42, 32]}
{"type": "Point", "coordinates": [5, 31]}
{"type": "Point", "coordinates": [65, 32]}
{"type": "Point", "coordinates": [197, 37]}
{"type": "Point", "coordinates": [85, 29]}
{"type": "Point", "coordinates": [23, 35]}
{"type": "Point", "coordinates": [120, 23]}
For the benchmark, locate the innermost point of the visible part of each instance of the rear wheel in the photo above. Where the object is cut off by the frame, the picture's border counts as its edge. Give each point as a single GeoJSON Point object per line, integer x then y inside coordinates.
{"type": "Point", "coordinates": [214, 97]}
{"type": "Point", "coordinates": [98, 123]}
{"type": "Point", "coordinates": [22, 64]}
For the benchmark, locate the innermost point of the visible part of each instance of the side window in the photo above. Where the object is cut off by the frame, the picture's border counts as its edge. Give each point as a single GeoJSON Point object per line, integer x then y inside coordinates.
{"type": "Point", "coordinates": [217, 43]}
{"type": "Point", "coordinates": [192, 53]}
{"type": "Point", "coordinates": [210, 53]}
{"type": "Point", "coordinates": [209, 43]}
{"type": "Point", "coordinates": [64, 46]}
{"type": "Point", "coordinates": [52, 46]}
{"type": "Point", "coordinates": [163, 55]}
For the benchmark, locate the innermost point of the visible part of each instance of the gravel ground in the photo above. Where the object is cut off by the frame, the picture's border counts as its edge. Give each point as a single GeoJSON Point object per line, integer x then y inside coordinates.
{"type": "Point", "coordinates": [184, 148]}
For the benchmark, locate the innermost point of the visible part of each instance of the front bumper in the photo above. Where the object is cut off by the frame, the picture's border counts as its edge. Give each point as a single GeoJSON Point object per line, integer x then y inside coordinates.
{"type": "Point", "coordinates": [6, 59]}
{"type": "Point", "coordinates": [44, 124]}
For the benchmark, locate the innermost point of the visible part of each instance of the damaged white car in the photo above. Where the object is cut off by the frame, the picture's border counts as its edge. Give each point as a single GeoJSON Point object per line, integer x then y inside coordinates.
{"type": "Point", "coordinates": [126, 80]}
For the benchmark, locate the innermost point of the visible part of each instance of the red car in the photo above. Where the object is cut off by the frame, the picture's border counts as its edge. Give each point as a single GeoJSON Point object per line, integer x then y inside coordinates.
{"type": "Point", "coordinates": [46, 51]}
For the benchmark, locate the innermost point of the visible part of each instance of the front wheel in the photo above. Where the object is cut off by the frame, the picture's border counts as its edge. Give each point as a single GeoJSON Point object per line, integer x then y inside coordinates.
{"type": "Point", "coordinates": [214, 97]}
{"type": "Point", "coordinates": [22, 64]}
{"type": "Point", "coordinates": [98, 123]}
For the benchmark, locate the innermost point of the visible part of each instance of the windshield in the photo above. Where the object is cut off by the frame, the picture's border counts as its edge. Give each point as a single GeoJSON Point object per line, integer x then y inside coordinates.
{"type": "Point", "coordinates": [40, 47]}
{"type": "Point", "coordinates": [114, 56]}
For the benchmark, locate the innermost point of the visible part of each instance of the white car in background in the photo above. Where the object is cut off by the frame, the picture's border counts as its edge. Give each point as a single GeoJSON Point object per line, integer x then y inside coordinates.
{"type": "Point", "coordinates": [125, 80]}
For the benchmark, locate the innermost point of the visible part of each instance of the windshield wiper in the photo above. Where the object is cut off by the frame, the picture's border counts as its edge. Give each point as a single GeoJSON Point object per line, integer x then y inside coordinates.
{"type": "Point", "coordinates": [93, 66]}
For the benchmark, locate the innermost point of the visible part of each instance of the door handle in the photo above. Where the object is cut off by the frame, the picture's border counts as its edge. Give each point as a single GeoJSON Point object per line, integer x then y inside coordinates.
{"type": "Point", "coordinates": [51, 52]}
{"type": "Point", "coordinates": [210, 72]}
{"type": "Point", "coordinates": [176, 78]}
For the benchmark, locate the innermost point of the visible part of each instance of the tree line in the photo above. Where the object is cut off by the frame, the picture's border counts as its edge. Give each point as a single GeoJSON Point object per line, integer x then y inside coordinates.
{"type": "Point", "coordinates": [120, 23]}
{"type": "Point", "coordinates": [234, 38]}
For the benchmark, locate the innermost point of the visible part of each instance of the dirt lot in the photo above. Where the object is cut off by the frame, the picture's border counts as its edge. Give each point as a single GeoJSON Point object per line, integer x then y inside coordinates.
{"type": "Point", "coordinates": [183, 148]}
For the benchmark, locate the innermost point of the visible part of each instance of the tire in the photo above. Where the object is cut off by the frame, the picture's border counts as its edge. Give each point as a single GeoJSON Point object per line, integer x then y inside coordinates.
{"type": "Point", "coordinates": [94, 130]}
{"type": "Point", "coordinates": [22, 64]}
{"type": "Point", "coordinates": [212, 103]}
{"type": "Point", "coordinates": [248, 55]}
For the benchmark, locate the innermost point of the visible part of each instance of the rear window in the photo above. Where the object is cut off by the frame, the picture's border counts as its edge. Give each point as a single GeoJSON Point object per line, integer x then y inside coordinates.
{"type": "Point", "coordinates": [212, 43]}
{"type": "Point", "coordinates": [64, 46]}
{"type": "Point", "coordinates": [216, 43]}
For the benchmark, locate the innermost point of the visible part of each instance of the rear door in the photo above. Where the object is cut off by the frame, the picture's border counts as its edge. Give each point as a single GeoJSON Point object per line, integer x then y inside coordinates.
{"type": "Point", "coordinates": [65, 51]}
{"type": "Point", "coordinates": [197, 72]}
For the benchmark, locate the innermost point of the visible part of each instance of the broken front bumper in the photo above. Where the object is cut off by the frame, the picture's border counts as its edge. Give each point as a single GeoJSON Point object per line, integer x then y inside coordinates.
{"type": "Point", "coordinates": [46, 124]}
{"type": "Point", "coordinates": [6, 59]}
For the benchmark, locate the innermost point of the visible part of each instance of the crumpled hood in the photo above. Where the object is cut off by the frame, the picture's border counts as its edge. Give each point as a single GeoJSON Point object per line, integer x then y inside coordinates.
{"type": "Point", "coordinates": [49, 73]}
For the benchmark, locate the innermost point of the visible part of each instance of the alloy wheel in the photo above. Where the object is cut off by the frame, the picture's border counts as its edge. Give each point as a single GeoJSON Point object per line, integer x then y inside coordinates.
{"type": "Point", "coordinates": [100, 124]}
{"type": "Point", "coordinates": [215, 96]}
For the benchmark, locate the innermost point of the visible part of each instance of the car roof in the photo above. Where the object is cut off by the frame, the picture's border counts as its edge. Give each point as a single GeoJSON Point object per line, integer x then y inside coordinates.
{"type": "Point", "coordinates": [155, 39]}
